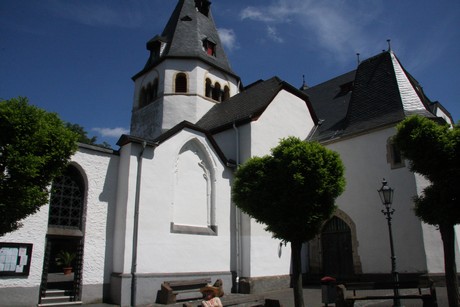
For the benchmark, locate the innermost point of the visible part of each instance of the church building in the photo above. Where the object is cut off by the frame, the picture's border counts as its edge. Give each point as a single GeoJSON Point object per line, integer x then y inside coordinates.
{"type": "Point", "coordinates": [159, 208]}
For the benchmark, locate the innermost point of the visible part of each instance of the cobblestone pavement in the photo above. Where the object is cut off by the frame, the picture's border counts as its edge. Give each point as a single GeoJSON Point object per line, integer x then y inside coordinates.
{"type": "Point", "coordinates": [312, 298]}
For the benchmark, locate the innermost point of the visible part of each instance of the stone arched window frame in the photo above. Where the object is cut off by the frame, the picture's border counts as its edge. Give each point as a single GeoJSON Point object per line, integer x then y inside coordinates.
{"type": "Point", "coordinates": [208, 88]}
{"type": "Point", "coordinates": [217, 92]}
{"type": "Point", "coordinates": [226, 93]}
{"type": "Point", "coordinates": [208, 169]}
{"type": "Point", "coordinates": [149, 93]}
{"type": "Point", "coordinates": [181, 83]}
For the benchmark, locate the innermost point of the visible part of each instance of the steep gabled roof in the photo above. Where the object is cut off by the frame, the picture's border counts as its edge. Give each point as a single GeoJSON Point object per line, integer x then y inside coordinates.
{"type": "Point", "coordinates": [125, 139]}
{"type": "Point", "coordinates": [248, 105]}
{"type": "Point", "coordinates": [183, 37]}
{"type": "Point", "coordinates": [330, 100]}
{"type": "Point", "coordinates": [382, 93]}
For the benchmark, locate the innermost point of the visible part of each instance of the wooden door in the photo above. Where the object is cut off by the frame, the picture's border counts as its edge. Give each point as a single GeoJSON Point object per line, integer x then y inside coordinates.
{"type": "Point", "coordinates": [337, 252]}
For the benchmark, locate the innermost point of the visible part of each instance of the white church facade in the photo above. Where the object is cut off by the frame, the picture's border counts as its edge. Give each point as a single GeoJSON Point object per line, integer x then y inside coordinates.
{"type": "Point", "coordinates": [160, 207]}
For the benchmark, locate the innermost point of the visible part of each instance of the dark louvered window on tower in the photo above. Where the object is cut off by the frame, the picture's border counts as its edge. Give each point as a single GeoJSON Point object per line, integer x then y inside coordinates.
{"type": "Point", "coordinates": [66, 200]}
{"type": "Point", "coordinates": [202, 6]}
{"type": "Point", "coordinates": [181, 83]}
{"type": "Point", "coordinates": [209, 47]}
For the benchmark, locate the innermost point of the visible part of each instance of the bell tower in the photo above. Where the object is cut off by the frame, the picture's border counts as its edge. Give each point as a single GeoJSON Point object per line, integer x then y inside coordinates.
{"type": "Point", "coordinates": [187, 72]}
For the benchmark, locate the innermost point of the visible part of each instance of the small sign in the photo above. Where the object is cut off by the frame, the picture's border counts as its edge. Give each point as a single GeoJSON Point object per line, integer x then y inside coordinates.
{"type": "Point", "coordinates": [15, 259]}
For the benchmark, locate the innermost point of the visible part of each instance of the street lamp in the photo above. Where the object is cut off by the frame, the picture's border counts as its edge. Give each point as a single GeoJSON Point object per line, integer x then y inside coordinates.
{"type": "Point", "coordinates": [386, 196]}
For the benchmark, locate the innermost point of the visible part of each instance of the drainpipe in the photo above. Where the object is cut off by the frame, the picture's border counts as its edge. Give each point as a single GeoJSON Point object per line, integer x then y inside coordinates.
{"type": "Point", "coordinates": [237, 214]}
{"type": "Point", "coordinates": [136, 226]}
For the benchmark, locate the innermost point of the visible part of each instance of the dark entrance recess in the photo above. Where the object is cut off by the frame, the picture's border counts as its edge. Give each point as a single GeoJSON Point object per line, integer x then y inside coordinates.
{"type": "Point", "coordinates": [65, 233]}
{"type": "Point", "coordinates": [337, 249]}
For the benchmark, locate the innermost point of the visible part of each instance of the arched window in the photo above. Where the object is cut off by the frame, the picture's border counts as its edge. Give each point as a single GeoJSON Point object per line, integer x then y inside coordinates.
{"type": "Point", "coordinates": [155, 89]}
{"type": "Point", "coordinates": [208, 88]}
{"type": "Point", "coordinates": [143, 98]}
{"type": "Point", "coordinates": [67, 200]}
{"type": "Point", "coordinates": [193, 206]}
{"type": "Point", "coordinates": [148, 93]}
{"type": "Point", "coordinates": [226, 93]}
{"type": "Point", "coordinates": [217, 93]}
{"type": "Point", "coordinates": [181, 83]}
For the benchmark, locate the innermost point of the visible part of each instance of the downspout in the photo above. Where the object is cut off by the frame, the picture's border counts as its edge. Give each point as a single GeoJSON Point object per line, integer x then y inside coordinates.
{"type": "Point", "coordinates": [237, 214]}
{"type": "Point", "coordinates": [136, 226]}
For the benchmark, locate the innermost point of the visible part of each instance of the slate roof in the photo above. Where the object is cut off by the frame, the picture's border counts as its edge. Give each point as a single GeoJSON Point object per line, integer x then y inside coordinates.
{"type": "Point", "coordinates": [248, 105]}
{"type": "Point", "coordinates": [330, 100]}
{"type": "Point", "coordinates": [380, 93]}
{"type": "Point", "coordinates": [183, 37]}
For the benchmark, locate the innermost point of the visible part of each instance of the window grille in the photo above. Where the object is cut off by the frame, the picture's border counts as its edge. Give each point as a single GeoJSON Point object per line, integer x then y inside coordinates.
{"type": "Point", "coordinates": [66, 201]}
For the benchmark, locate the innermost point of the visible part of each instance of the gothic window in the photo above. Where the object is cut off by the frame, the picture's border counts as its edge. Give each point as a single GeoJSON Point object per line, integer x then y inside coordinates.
{"type": "Point", "coordinates": [67, 200]}
{"type": "Point", "coordinates": [181, 83]}
{"type": "Point", "coordinates": [193, 191]}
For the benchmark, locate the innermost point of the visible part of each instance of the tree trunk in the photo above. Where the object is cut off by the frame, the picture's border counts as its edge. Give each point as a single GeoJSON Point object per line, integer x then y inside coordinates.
{"type": "Point", "coordinates": [450, 267]}
{"type": "Point", "coordinates": [296, 249]}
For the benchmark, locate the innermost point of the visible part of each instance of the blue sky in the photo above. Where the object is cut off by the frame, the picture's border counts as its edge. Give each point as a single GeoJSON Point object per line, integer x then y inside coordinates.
{"type": "Point", "coordinates": [77, 57]}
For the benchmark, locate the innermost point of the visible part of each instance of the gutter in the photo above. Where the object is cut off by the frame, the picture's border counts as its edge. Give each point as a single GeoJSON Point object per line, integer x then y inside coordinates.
{"type": "Point", "coordinates": [237, 214]}
{"type": "Point", "coordinates": [136, 222]}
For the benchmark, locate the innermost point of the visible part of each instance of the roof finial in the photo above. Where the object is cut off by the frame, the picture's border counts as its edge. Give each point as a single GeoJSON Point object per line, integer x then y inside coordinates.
{"type": "Point", "coordinates": [389, 44]}
{"type": "Point", "coordinates": [304, 84]}
{"type": "Point", "coordinates": [357, 55]}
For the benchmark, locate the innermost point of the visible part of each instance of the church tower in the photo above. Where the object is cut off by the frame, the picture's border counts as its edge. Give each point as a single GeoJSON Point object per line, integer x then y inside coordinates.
{"type": "Point", "coordinates": [186, 73]}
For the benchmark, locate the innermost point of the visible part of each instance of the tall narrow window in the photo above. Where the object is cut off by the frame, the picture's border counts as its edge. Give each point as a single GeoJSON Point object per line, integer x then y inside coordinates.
{"type": "Point", "coordinates": [208, 88]}
{"type": "Point", "coordinates": [394, 156]}
{"type": "Point", "coordinates": [66, 200]}
{"type": "Point", "coordinates": [217, 93]}
{"type": "Point", "coordinates": [181, 83]}
{"type": "Point", "coordinates": [226, 93]}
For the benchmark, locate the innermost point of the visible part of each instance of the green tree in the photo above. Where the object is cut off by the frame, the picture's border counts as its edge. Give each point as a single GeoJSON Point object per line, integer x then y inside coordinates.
{"type": "Point", "coordinates": [433, 150]}
{"type": "Point", "coordinates": [83, 136]}
{"type": "Point", "coordinates": [293, 192]}
{"type": "Point", "coordinates": [35, 146]}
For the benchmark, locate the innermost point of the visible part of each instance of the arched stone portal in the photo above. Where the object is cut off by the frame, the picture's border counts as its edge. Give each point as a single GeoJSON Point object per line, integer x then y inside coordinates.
{"type": "Point", "coordinates": [335, 251]}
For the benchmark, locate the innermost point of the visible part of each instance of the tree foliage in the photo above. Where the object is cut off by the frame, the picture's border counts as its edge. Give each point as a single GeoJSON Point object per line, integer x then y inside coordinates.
{"type": "Point", "coordinates": [84, 138]}
{"type": "Point", "coordinates": [433, 150]}
{"type": "Point", "coordinates": [35, 146]}
{"type": "Point", "coordinates": [293, 192]}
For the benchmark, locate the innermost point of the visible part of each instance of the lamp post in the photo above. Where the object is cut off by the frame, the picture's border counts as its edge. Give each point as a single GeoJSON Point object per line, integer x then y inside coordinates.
{"type": "Point", "coordinates": [386, 196]}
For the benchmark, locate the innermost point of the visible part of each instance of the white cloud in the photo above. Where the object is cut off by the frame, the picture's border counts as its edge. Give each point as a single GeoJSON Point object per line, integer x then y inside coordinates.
{"type": "Point", "coordinates": [254, 13]}
{"type": "Point", "coordinates": [228, 38]}
{"type": "Point", "coordinates": [111, 132]}
{"type": "Point", "coordinates": [273, 34]}
{"type": "Point", "coordinates": [339, 28]}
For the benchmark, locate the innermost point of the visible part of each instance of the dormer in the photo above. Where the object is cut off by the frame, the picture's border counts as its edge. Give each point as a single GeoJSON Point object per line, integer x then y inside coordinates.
{"type": "Point", "coordinates": [202, 6]}
{"type": "Point", "coordinates": [156, 46]}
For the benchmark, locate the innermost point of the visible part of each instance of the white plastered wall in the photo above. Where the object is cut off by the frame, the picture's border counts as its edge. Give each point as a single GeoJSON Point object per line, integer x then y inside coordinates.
{"type": "Point", "coordinates": [366, 163]}
{"type": "Point", "coordinates": [99, 168]}
{"type": "Point", "coordinates": [160, 250]}
{"type": "Point", "coordinates": [287, 115]}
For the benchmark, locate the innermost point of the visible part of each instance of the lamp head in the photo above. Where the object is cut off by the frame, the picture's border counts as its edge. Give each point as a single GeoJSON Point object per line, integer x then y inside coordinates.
{"type": "Point", "coordinates": [386, 194]}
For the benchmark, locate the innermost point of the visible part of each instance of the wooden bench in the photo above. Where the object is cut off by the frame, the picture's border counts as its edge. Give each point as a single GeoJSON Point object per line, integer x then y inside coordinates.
{"type": "Point", "coordinates": [428, 296]}
{"type": "Point", "coordinates": [189, 289]}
